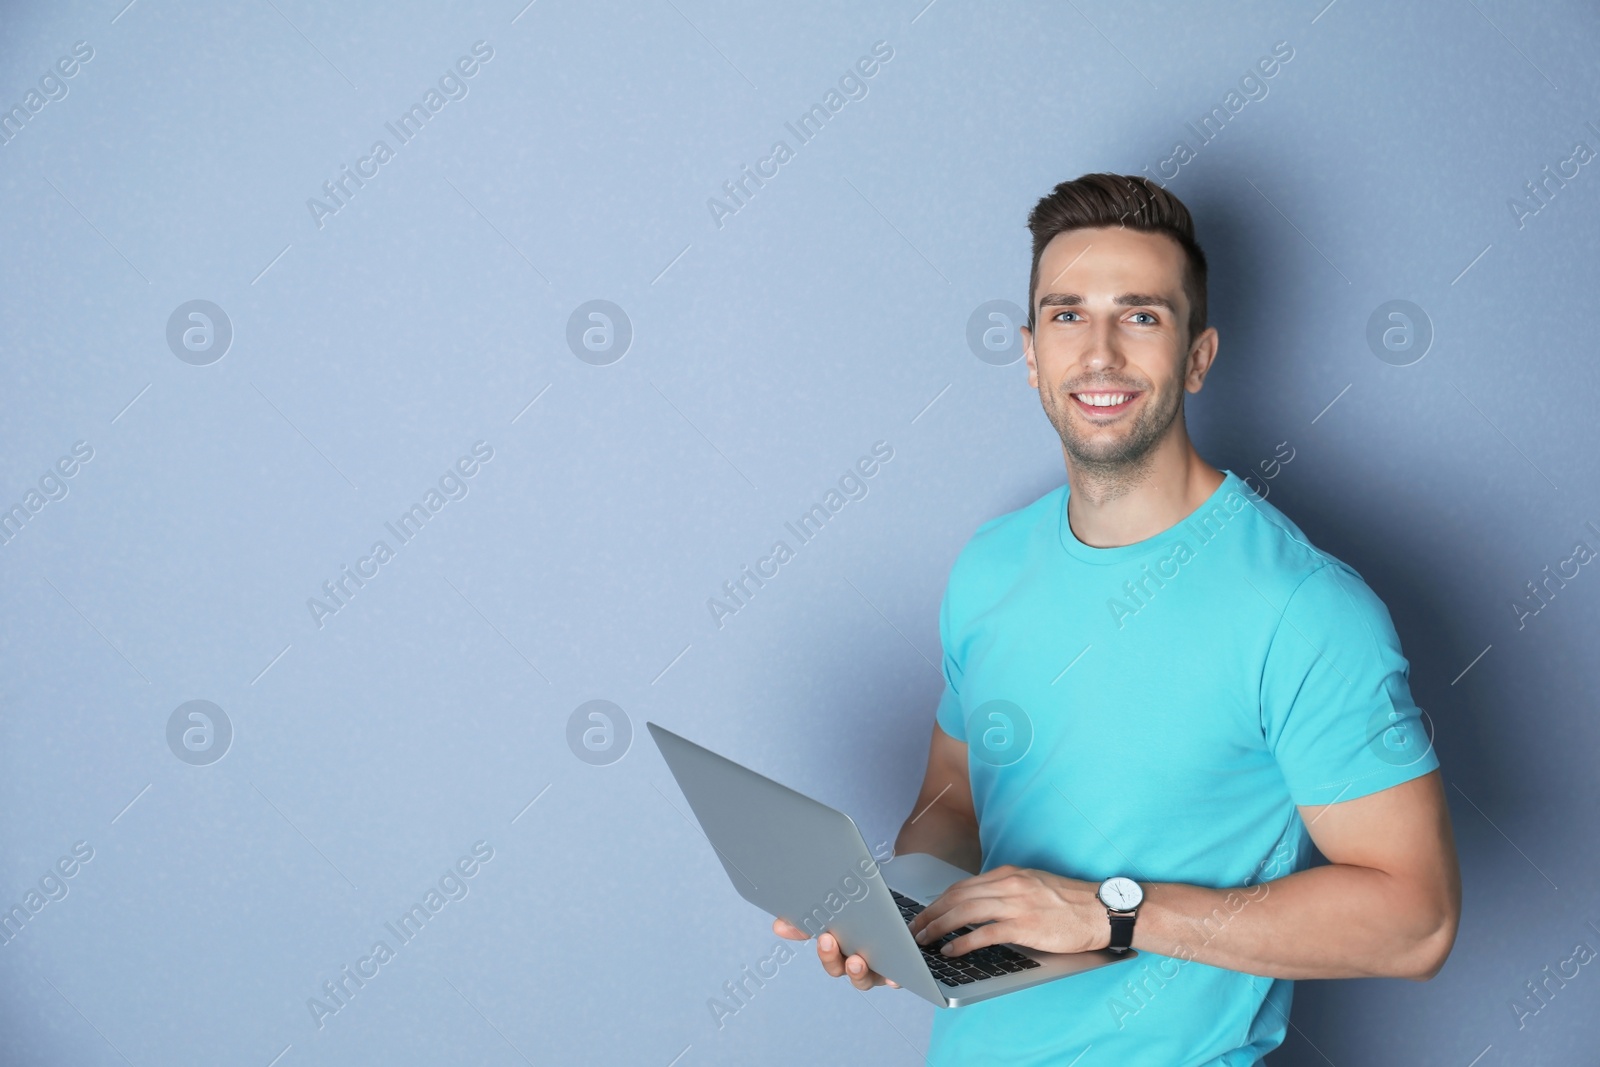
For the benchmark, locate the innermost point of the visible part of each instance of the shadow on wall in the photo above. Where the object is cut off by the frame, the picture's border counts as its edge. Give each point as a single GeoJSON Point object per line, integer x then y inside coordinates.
{"type": "Point", "coordinates": [1377, 519]}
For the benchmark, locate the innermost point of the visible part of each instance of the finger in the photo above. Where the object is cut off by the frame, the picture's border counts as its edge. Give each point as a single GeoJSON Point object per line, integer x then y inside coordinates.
{"type": "Point", "coordinates": [789, 930]}
{"type": "Point", "coordinates": [979, 885]}
{"type": "Point", "coordinates": [828, 953]}
{"type": "Point", "coordinates": [938, 906]}
{"type": "Point", "coordinates": [990, 934]}
{"type": "Point", "coordinates": [967, 913]}
{"type": "Point", "coordinates": [862, 976]}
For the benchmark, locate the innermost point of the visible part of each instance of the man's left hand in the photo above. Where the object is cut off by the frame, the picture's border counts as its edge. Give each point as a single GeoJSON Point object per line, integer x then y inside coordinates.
{"type": "Point", "coordinates": [1019, 906]}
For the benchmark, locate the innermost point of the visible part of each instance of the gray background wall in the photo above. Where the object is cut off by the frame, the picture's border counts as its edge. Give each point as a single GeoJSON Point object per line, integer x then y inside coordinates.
{"type": "Point", "coordinates": [368, 353]}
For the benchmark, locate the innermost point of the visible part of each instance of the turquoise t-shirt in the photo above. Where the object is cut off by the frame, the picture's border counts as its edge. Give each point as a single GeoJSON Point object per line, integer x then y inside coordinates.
{"type": "Point", "coordinates": [1158, 710]}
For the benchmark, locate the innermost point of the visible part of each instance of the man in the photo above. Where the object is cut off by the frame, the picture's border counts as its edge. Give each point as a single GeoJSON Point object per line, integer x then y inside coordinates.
{"type": "Point", "coordinates": [1158, 695]}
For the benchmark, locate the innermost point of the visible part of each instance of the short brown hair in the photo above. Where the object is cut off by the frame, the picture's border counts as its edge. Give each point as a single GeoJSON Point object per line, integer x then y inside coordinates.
{"type": "Point", "coordinates": [1128, 200]}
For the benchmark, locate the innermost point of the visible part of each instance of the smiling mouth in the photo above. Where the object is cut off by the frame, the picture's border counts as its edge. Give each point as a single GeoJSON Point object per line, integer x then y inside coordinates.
{"type": "Point", "coordinates": [1102, 404]}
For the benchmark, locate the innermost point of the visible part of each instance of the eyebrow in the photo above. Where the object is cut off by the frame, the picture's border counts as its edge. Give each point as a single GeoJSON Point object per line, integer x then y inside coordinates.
{"type": "Point", "coordinates": [1121, 299]}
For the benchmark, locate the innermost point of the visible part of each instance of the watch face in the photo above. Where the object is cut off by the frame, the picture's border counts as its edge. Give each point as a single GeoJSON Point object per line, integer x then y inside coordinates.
{"type": "Point", "coordinates": [1121, 894]}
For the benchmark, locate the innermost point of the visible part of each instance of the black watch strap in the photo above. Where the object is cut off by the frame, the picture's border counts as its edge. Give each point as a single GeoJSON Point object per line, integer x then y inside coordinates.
{"type": "Point", "coordinates": [1121, 929]}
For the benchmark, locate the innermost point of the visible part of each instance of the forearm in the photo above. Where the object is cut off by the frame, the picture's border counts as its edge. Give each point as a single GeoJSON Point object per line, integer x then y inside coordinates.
{"type": "Point", "coordinates": [1336, 921]}
{"type": "Point", "coordinates": [941, 832]}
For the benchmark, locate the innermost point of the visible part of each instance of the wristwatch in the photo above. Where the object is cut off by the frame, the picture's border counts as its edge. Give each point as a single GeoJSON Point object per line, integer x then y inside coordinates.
{"type": "Point", "coordinates": [1122, 897]}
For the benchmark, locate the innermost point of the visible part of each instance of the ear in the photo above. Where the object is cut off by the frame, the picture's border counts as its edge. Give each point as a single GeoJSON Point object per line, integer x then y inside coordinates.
{"type": "Point", "coordinates": [1033, 365]}
{"type": "Point", "coordinates": [1199, 360]}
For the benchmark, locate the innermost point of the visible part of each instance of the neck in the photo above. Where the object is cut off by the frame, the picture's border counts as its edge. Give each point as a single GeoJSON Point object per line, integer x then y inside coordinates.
{"type": "Point", "coordinates": [1110, 506]}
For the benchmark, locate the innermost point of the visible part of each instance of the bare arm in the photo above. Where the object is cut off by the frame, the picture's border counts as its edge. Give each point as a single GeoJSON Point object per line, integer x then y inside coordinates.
{"type": "Point", "coordinates": [1387, 904]}
{"type": "Point", "coordinates": [942, 822]}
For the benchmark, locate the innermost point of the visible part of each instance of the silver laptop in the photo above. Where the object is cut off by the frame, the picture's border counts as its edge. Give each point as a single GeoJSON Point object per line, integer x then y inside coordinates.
{"type": "Point", "coordinates": [804, 862]}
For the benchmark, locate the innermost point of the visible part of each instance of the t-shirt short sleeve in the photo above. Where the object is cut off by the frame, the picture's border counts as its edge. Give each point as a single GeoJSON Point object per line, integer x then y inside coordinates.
{"type": "Point", "coordinates": [950, 716]}
{"type": "Point", "coordinates": [1336, 706]}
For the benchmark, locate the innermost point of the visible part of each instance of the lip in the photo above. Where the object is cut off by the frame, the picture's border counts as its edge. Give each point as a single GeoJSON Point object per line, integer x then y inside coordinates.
{"type": "Point", "coordinates": [1101, 413]}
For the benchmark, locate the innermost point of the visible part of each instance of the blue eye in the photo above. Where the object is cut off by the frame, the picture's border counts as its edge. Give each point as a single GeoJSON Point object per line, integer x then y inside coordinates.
{"type": "Point", "coordinates": [1147, 315]}
{"type": "Point", "coordinates": [1058, 314]}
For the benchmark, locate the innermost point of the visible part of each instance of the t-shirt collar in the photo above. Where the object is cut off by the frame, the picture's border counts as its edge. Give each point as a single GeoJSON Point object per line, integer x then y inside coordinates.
{"type": "Point", "coordinates": [1122, 553]}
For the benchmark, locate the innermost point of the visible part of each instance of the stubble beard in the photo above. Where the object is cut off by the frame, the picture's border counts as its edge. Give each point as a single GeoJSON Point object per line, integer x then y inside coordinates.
{"type": "Point", "coordinates": [1118, 464]}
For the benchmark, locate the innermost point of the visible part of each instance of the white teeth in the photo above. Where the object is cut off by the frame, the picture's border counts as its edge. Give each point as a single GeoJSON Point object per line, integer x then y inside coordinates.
{"type": "Point", "coordinates": [1103, 400]}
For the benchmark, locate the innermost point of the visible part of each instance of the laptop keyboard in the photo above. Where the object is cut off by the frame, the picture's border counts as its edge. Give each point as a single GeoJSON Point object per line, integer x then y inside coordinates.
{"type": "Point", "coordinates": [991, 961]}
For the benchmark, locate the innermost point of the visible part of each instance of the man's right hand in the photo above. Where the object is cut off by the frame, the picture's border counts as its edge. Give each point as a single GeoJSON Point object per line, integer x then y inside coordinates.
{"type": "Point", "coordinates": [833, 960]}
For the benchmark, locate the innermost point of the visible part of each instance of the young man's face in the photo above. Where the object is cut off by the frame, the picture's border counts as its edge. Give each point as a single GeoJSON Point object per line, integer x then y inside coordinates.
{"type": "Point", "coordinates": [1109, 353]}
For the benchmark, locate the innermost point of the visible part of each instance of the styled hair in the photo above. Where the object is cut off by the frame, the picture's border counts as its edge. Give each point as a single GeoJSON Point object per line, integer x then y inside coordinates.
{"type": "Point", "coordinates": [1128, 200]}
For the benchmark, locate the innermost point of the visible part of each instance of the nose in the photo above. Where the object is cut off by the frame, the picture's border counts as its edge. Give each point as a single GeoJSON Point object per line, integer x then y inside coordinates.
{"type": "Point", "coordinates": [1102, 352]}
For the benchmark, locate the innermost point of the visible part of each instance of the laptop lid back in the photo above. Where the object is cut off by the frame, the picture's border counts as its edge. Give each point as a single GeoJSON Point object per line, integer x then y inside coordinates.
{"type": "Point", "coordinates": [796, 859]}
